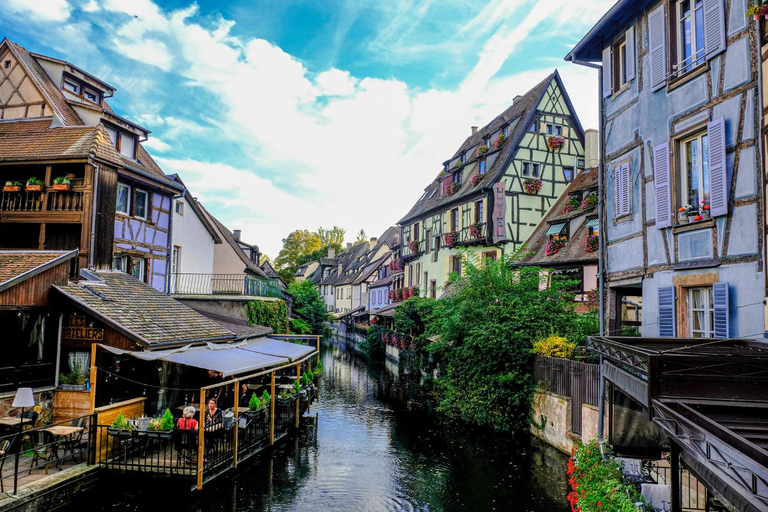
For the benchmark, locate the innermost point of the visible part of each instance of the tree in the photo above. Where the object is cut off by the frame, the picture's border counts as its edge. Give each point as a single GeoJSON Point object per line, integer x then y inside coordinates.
{"type": "Point", "coordinates": [361, 236]}
{"type": "Point", "coordinates": [485, 330]}
{"type": "Point", "coordinates": [316, 255]}
{"type": "Point", "coordinates": [331, 237]}
{"type": "Point", "coordinates": [309, 305]}
{"type": "Point", "coordinates": [296, 244]}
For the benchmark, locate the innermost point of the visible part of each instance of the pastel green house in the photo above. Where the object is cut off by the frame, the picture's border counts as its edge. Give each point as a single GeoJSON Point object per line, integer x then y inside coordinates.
{"type": "Point", "coordinates": [495, 189]}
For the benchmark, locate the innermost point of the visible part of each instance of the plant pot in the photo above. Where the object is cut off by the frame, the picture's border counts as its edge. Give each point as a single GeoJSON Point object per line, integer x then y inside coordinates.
{"type": "Point", "coordinates": [10, 188]}
{"type": "Point", "coordinates": [34, 188]}
{"type": "Point", "coordinates": [71, 176]}
{"type": "Point", "coordinates": [72, 387]}
{"type": "Point", "coordinates": [60, 188]}
{"type": "Point", "coordinates": [159, 434]}
{"type": "Point", "coordinates": [682, 218]}
{"type": "Point", "coordinates": [757, 17]}
{"type": "Point", "coordinates": [691, 219]}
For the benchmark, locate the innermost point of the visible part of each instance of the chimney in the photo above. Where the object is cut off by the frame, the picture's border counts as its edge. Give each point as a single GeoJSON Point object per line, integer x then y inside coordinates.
{"type": "Point", "coordinates": [591, 148]}
{"type": "Point", "coordinates": [516, 98]}
{"type": "Point", "coordinates": [474, 129]}
{"type": "Point", "coordinates": [349, 245]}
{"type": "Point", "coordinates": [237, 234]}
{"type": "Point", "coordinates": [331, 252]}
{"type": "Point", "coordinates": [372, 242]}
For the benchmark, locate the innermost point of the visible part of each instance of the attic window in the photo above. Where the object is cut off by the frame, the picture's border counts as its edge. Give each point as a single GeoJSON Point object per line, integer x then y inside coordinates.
{"type": "Point", "coordinates": [463, 157]}
{"type": "Point", "coordinates": [506, 131]}
{"type": "Point", "coordinates": [72, 86]}
{"type": "Point", "coordinates": [532, 128]}
{"type": "Point", "coordinates": [7, 64]}
{"type": "Point", "coordinates": [91, 95]}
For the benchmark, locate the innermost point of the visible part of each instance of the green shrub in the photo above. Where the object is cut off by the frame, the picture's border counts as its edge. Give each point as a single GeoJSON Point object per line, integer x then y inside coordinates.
{"type": "Point", "coordinates": [166, 422]}
{"type": "Point", "coordinates": [299, 326]}
{"type": "Point", "coordinates": [273, 314]}
{"type": "Point", "coordinates": [254, 404]}
{"type": "Point", "coordinates": [265, 398]}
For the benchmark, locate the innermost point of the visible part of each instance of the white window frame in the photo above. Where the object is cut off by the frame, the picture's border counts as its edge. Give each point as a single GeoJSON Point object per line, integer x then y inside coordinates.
{"type": "Point", "coordinates": [684, 196]}
{"type": "Point", "coordinates": [72, 83]}
{"type": "Point", "coordinates": [180, 208]}
{"type": "Point", "coordinates": [146, 204]}
{"type": "Point", "coordinates": [708, 330]}
{"type": "Point", "coordinates": [622, 63]}
{"type": "Point", "coordinates": [141, 264]}
{"type": "Point", "coordinates": [128, 202]}
{"type": "Point", "coordinates": [87, 91]}
{"type": "Point", "coordinates": [120, 262]}
{"type": "Point", "coordinates": [175, 259]}
{"type": "Point", "coordinates": [697, 58]}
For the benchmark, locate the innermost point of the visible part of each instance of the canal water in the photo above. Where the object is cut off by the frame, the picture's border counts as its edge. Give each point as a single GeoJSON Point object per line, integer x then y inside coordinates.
{"type": "Point", "coordinates": [374, 445]}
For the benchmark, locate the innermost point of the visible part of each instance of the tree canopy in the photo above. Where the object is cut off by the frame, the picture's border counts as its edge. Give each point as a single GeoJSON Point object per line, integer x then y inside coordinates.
{"type": "Point", "coordinates": [331, 237]}
{"type": "Point", "coordinates": [298, 243]}
{"type": "Point", "coordinates": [309, 305]}
{"type": "Point", "coordinates": [361, 236]}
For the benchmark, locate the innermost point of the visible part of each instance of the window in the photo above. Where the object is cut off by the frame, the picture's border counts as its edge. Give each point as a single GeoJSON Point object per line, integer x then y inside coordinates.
{"type": "Point", "coordinates": [139, 269]}
{"type": "Point", "coordinates": [428, 241]}
{"type": "Point", "coordinates": [489, 256]}
{"type": "Point", "coordinates": [463, 157]}
{"type": "Point", "coordinates": [568, 174]}
{"type": "Point", "coordinates": [482, 167]}
{"type": "Point", "coordinates": [71, 86]}
{"type": "Point", "coordinates": [701, 312]}
{"type": "Point", "coordinates": [457, 178]}
{"type": "Point", "coordinates": [416, 231]}
{"type": "Point", "coordinates": [506, 131]}
{"type": "Point", "coordinates": [455, 219]}
{"type": "Point", "coordinates": [433, 289]}
{"type": "Point", "coordinates": [532, 128]}
{"type": "Point", "coordinates": [120, 263]}
{"type": "Point", "coordinates": [694, 164]}
{"type": "Point", "coordinates": [7, 64]}
{"type": "Point", "coordinates": [622, 190]}
{"type": "Point", "coordinates": [90, 95]}
{"type": "Point", "coordinates": [175, 259]}
{"type": "Point", "coordinates": [478, 211]}
{"type": "Point", "coordinates": [689, 31]}
{"type": "Point", "coordinates": [455, 264]}
{"type": "Point", "coordinates": [180, 208]}
{"type": "Point", "coordinates": [530, 170]}
{"type": "Point", "coordinates": [127, 145]}
{"type": "Point", "coordinates": [619, 64]}
{"type": "Point", "coordinates": [141, 204]}
{"type": "Point", "coordinates": [123, 199]}
{"type": "Point", "coordinates": [550, 129]}
{"type": "Point", "coordinates": [558, 129]}
{"type": "Point", "coordinates": [410, 275]}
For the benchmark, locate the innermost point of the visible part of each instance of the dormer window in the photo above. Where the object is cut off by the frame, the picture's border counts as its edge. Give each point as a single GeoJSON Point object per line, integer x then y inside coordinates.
{"type": "Point", "coordinates": [7, 64]}
{"type": "Point", "coordinates": [463, 157]}
{"type": "Point", "coordinates": [558, 231]}
{"type": "Point", "coordinates": [71, 86]}
{"type": "Point", "coordinates": [482, 167]}
{"type": "Point", "coordinates": [506, 131]}
{"type": "Point", "coordinates": [91, 95]}
{"type": "Point", "coordinates": [446, 166]}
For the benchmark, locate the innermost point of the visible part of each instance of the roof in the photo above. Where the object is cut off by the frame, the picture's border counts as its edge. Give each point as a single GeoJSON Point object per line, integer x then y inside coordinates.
{"type": "Point", "coordinates": [518, 117]}
{"type": "Point", "coordinates": [147, 167]}
{"type": "Point", "coordinates": [387, 311]}
{"type": "Point", "coordinates": [381, 282]}
{"type": "Point", "coordinates": [38, 140]}
{"type": "Point", "coordinates": [574, 250]}
{"type": "Point", "coordinates": [612, 23]}
{"type": "Point", "coordinates": [240, 327]}
{"type": "Point", "coordinates": [197, 209]}
{"type": "Point", "coordinates": [230, 239]}
{"type": "Point", "coordinates": [18, 266]}
{"type": "Point", "coordinates": [139, 311]}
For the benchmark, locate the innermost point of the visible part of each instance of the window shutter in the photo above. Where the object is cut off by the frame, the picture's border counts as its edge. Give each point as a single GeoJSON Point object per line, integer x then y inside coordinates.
{"type": "Point", "coordinates": [667, 312]}
{"type": "Point", "coordinates": [658, 47]}
{"type": "Point", "coordinates": [607, 73]}
{"type": "Point", "coordinates": [622, 190]}
{"type": "Point", "coordinates": [718, 173]}
{"type": "Point", "coordinates": [721, 309]}
{"type": "Point", "coordinates": [629, 39]}
{"type": "Point", "coordinates": [661, 181]}
{"type": "Point", "coordinates": [714, 28]}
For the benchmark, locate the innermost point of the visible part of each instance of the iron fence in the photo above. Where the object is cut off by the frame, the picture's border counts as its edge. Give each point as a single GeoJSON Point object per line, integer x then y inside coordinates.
{"type": "Point", "coordinates": [223, 284]}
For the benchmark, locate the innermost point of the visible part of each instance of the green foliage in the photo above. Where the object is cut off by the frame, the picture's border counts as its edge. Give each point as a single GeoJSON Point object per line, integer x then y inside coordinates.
{"type": "Point", "coordinates": [296, 244]}
{"type": "Point", "coordinates": [596, 483]}
{"type": "Point", "coordinates": [296, 389]}
{"type": "Point", "coordinates": [361, 236]}
{"type": "Point", "coordinates": [333, 237]}
{"type": "Point", "coordinates": [273, 314]}
{"type": "Point", "coordinates": [61, 180]}
{"type": "Point", "coordinates": [121, 423]}
{"type": "Point", "coordinates": [485, 330]}
{"type": "Point", "coordinates": [309, 305]}
{"type": "Point", "coordinates": [305, 379]}
{"type": "Point", "coordinates": [584, 325]}
{"type": "Point", "coordinates": [299, 326]}
{"type": "Point", "coordinates": [373, 344]}
{"type": "Point", "coordinates": [74, 378]}
{"type": "Point", "coordinates": [265, 398]}
{"type": "Point", "coordinates": [166, 422]}
{"type": "Point", "coordinates": [254, 404]}
{"type": "Point", "coordinates": [319, 253]}
{"type": "Point", "coordinates": [554, 346]}
{"type": "Point", "coordinates": [319, 367]}
{"type": "Point", "coordinates": [412, 318]}
{"type": "Point", "coordinates": [311, 375]}
{"type": "Point", "coordinates": [34, 181]}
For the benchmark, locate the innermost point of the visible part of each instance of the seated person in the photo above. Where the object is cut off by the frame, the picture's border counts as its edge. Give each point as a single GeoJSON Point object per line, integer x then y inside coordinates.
{"type": "Point", "coordinates": [213, 414]}
{"type": "Point", "coordinates": [187, 420]}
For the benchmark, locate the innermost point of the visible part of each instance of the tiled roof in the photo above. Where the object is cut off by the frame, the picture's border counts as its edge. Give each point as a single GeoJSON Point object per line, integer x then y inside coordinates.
{"type": "Point", "coordinates": [381, 282]}
{"type": "Point", "coordinates": [37, 140]}
{"type": "Point", "coordinates": [574, 250]}
{"type": "Point", "coordinates": [47, 87]}
{"type": "Point", "coordinates": [139, 311]}
{"type": "Point", "coordinates": [239, 327]}
{"type": "Point", "coordinates": [16, 266]}
{"type": "Point", "coordinates": [518, 115]}
{"type": "Point", "coordinates": [147, 167]}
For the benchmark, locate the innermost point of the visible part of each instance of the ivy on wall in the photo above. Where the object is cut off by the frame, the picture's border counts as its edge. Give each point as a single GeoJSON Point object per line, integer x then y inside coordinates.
{"type": "Point", "coordinates": [273, 314]}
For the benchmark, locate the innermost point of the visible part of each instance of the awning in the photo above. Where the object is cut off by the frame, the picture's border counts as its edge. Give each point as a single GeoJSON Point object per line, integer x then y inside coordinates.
{"type": "Point", "coordinates": [556, 229]}
{"type": "Point", "coordinates": [592, 223]}
{"type": "Point", "coordinates": [229, 359]}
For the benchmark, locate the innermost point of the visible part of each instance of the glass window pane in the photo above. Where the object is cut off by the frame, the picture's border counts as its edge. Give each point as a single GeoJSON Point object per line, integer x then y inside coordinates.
{"type": "Point", "coordinates": [123, 195]}
{"type": "Point", "coordinates": [705, 168]}
{"type": "Point", "coordinates": [140, 209]}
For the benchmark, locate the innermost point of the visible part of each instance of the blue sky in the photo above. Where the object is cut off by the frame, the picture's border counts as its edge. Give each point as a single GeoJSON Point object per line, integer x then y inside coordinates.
{"type": "Point", "coordinates": [283, 115]}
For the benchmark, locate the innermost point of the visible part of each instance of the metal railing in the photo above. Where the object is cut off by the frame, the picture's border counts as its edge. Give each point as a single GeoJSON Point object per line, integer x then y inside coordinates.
{"type": "Point", "coordinates": [574, 379]}
{"type": "Point", "coordinates": [223, 284]}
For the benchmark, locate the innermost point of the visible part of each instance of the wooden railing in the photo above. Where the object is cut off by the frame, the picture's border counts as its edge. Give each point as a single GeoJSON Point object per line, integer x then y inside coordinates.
{"type": "Point", "coordinates": [223, 284]}
{"type": "Point", "coordinates": [48, 200]}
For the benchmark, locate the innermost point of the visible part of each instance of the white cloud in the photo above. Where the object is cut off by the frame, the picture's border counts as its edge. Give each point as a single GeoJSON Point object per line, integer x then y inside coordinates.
{"type": "Point", "coordinates": [155, 144]}
{"type": "Point", "coordinates": [91, 6]}
{"type": "Point", "coordinates": [40, 10]}
{"type": "Point", "coordinates": [335, 82]}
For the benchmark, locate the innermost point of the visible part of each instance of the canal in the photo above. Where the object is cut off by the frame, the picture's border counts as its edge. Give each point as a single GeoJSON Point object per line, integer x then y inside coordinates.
{"type": "Point", "coordinates": [374, 445]}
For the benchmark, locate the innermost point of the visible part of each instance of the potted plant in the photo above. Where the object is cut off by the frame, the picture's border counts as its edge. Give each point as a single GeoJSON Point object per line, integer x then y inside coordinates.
{"type": "Point", "coordinates": [74, 381]}
{"type": "Point", "coordinates": [555, 142]}
{"type": "Point", "coordinates": [455, 187]}
{"type": "Point", "coordinates": [499, 141]}
{"type": "Point", "coordinates": [682, 215]}
{"type": "Point", "coordinates": [483, 149]}
{"type": "Point", "coordinates": [755, 12]}
{"type": "Point", "coordinates": [34, 185]}
{"type": "Point", "coordinates": [572, 206]}
{"type": "Point", "coordinates": [532, 186]}
{"type": "Point", "coordinates": [162, 427]}
{"type": "Point", "coordinates": [413, 246]}
{"type": "Point", "coordinates": [12, 186]}
{"type": "Point", "coordinates": [591, 243]}
{"type": "Point", "coordinates": [553, 246]}
{"type": "Point", "coordinates": [589, 202]}
{"type": "Point", "coordinates": [450, 239]}
{"type": "Point", "coordinates": [61, 183]}
{"type": "Point", "coordinates": [704, 210]}
{"type": "Point", "coordinates": [121, 427]}
{"type": "Point", "coordinates": [476, 179]}
{"type": "Point", "coordinates": [254, 407]}
{"type": "Point", "coordinates": [319, 366]}
{"type": "Point", "coordinates": [476, 230]}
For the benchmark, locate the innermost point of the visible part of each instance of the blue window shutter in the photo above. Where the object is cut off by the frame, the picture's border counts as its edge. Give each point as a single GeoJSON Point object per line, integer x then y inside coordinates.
{"type": "Point", "coordinates": [629, 39]}
{"type": "Point", "coordinates": [661, 181]}
{"type": "Point", "coordinates": [714, 28]}
{"type": "Point", "coordinates": [657, 35]}
{"type": "Point", "coordinates": [667, 312]}
{"type": "Point", "coordinates": [607, 73]}
{"type": "Point", "coordinates": [721, 308]}
{"type": "Point", "coordinates": [718, 172]}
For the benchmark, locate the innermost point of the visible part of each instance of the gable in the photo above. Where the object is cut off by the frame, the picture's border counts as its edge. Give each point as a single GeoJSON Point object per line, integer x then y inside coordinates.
{"type": "Point", "coordinates": [553, 100]}
{"type": "Point", "coordinates": [20, 97]}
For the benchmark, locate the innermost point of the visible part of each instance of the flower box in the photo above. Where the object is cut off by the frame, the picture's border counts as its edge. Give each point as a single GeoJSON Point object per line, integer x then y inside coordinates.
{"type": "Point", "coordinates": [34, 188]}
{"type": "Point", "coordinates": [555, 142]}
{"type": "Point", "coordinates": [499, 141]}
{"type": "Point", "coordinates": [591, 243]}
{"type": "Point", "coordinates": [476, 179]}
{"type": "Point", "coordinates": [553, 246]}
{"type": "Point", "coordinates": [413, 246]}
{"type": "Point", "coordinates": [481, 150]}
{"type": "Point", "coordinates": [159, 434]}
{"type": "Point", "coordinates": [532, 186]}
{"type": "Point", "coordinates": [450, 239]}
{"type": "Point", "coordinates": [589, 202]}
{"type": "Point", "coordinates": [11, 188]}
{"type": "Point", "coordinates": [476, 230]}
{"type": "Point", "coordinates": [72, 387]}
{"type": "Point", "coordinates": [60, 187]}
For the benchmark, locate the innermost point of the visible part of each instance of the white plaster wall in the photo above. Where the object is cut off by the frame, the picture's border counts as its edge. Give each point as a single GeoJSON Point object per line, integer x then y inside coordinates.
{"type": "Point", "coordinates": [197, 246]}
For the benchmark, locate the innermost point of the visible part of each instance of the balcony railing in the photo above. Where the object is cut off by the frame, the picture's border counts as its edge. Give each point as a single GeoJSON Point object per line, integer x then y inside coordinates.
{"type": "Point", "coordinates": [223, 284]}
{"type": "Point", "coordinates": [48, 200]}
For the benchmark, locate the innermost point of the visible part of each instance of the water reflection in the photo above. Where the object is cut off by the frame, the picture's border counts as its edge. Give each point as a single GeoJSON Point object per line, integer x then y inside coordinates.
{"type": "Point", "coordinates": [374, 445]}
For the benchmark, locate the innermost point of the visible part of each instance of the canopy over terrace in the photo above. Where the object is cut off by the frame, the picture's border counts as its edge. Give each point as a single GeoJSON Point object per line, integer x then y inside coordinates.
{"type": "Point", "coordinates": [228, 359]}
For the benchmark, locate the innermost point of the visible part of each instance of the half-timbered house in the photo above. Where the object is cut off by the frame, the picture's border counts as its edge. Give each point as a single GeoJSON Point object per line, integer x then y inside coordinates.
{"type": "Point", "coordinates": [494, 190]}
{"type": "Point", "coordinates": [682, 202]}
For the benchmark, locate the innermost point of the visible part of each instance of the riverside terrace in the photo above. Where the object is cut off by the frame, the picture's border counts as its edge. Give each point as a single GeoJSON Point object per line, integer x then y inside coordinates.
{"type": "Point", "coordinates": [703, 401]}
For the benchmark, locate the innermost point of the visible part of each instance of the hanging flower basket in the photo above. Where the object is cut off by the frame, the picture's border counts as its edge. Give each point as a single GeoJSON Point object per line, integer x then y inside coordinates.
{"type": "Point", "coordinates": [396, 266]}
{"type": "Point", "coordinates": [454, 188]}
{"type": "Point", "coordinates": [553, 246]}
{"type": "Point", "coordinates": [589, 202]}
{"type": "Point", "coordinates": [555, 142]}
{"type": "Point", "coordinates": [481, 150]}
{"type": "Point", "coordinates": [476, 179]}
{"type": "Point", "coordinates": [499, 141]}
{"type": "Point", "coordinates": [413, 246]}
{"type": "Point", "coordinates": [450, 239]}
{"type": "Point", "coordinates": [532, 186]}
{"type": "Point", "coordinates": [591, 243]}
{"type": "Point", "coordinates": [476, 230]}
{"type": "Point", "coordinates": [572, 206]}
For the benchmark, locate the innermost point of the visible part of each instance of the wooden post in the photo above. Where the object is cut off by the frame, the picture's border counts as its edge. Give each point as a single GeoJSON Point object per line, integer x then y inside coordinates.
{"type": "Point", "coordinates": [93, 378]}
{"type": "Point", "coordinates": [298, 398]}
{"type": "Point", "coordinates": [237, 421]}
{"type": "Point", "coordinates": [201, 441]}
{"type": "Point", "coordinates": [318, 342]}
{"type": "Point", "coordinates": [272, 413]}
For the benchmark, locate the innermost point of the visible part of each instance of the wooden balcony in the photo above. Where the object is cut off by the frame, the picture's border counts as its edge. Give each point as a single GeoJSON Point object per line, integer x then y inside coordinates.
{"type": "Point", "coordinates": [48, 200]}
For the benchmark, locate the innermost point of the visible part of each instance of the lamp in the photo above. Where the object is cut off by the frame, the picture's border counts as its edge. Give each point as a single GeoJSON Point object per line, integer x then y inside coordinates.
{"type": "Point", "coordinates": [24, 398]}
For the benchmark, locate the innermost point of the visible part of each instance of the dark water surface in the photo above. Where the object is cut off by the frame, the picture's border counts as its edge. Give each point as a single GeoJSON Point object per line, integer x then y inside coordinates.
{"type": "Point", "coordinates": [375, 446]}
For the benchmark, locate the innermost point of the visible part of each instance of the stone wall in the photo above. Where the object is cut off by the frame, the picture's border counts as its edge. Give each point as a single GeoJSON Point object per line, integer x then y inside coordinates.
{"type": "Point", "coordinates": [552, 413]}
{"type": "Point", "coordinates": [43, 406]}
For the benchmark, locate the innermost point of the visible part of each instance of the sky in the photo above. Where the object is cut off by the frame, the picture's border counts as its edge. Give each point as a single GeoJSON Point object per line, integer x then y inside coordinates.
{"type": "Point", "coordinates": [295, 114]}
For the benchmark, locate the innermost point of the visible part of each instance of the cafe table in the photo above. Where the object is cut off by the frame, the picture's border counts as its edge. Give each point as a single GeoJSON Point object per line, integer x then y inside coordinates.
{"type": "Point", "coordinates": [64, 435]}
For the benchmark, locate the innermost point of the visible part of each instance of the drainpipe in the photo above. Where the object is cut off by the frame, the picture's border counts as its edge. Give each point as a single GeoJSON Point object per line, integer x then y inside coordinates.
{"type": "Point", "coordinates": [759, 142]}
{"type": "Point", "coordinates": [170, 244]}
{"type": "Point", "coordinates": [94, 213]}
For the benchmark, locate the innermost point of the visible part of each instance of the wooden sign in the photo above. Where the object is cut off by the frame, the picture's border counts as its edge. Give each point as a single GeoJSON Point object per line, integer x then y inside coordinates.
{"type": "Point", "coordinates": [82, 333]}
{"type": "Point", "coordinates": [77, 321]}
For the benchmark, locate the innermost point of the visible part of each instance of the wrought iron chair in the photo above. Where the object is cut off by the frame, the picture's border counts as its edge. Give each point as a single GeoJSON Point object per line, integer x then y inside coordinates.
{"type": "Point", "coordinates": [184, 443]}
{"type": "Point", "coordinates": [5, 447]}
{"type": "Point", "coordinates": [45, 449]}
{"type": "Point", "coordinates": [74, 444]}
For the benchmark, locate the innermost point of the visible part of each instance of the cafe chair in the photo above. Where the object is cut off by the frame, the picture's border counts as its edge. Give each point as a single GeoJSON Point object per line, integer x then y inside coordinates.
{"type": "Point", "coordinates": [45, 449]}
{"type": "Point", "coordinates": [5, 446]}
{"type": "Point", "coordinates": [184, 443]}
{"type": "Point", "coordinates": [75, 443]}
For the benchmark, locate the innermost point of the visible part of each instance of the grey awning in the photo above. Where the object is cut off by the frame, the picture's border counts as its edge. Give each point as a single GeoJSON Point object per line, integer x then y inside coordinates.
{"type": "Point", "coordinates": [592, 223]}
{"type": "Point", "coordinates": [229, 359]}
{"type": "Point", "coordinates": [556, 229]}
